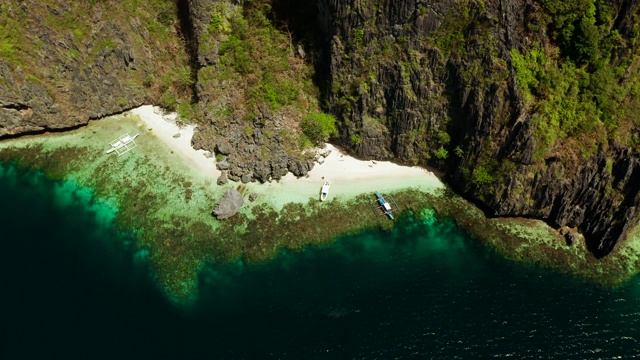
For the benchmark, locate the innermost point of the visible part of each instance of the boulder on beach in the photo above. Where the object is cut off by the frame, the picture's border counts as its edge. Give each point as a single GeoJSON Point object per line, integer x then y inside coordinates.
{"type": "Point", "coordinates": [229, 205]}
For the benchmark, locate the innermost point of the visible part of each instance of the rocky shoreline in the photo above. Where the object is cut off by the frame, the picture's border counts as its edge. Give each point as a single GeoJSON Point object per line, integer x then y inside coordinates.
{"type": "Point", "coordinates": [413, 82]}
{"type": "Point", "coordinates": [239, 160]}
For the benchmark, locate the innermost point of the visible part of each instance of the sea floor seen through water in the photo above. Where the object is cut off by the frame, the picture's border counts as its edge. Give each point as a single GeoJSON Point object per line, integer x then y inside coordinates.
{"type": "Point", "coordinates": [74, 287]}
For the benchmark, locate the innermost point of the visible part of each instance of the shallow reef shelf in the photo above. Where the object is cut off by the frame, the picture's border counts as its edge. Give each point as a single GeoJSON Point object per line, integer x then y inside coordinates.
{"type": "Point", "coordinates": [168, 204]}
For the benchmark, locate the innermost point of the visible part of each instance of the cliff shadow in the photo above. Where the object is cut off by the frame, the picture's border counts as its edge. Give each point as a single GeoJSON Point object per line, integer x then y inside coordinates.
{"type": "Point", "coordinates": [302, 20]}
{"type": "Point", "coordinates": [186, 28]}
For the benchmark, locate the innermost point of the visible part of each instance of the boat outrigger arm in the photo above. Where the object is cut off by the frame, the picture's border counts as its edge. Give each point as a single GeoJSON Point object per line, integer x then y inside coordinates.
{"type": "Point", "coordinates": [123, 144]}
{"type": "Point", "coordinates": [385, 207]}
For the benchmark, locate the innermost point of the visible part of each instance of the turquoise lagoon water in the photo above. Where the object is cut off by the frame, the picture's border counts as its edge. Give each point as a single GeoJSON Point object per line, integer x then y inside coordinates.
{"type": "Point", "coordinates": [72, 287]}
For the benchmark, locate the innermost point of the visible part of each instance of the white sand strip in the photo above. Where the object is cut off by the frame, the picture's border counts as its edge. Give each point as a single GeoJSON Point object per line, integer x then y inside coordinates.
{"type": "Point", "coordinates": [164, 127]}
{"type": "Point", "coordinates": [339, 167]}
{"type": "Point", "coordinates": [349, 177]}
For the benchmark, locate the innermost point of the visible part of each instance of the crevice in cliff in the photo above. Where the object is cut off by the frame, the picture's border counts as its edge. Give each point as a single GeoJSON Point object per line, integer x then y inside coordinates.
{"type": "Point", "coordinates": [16, 107]}
{"type": "Point", "coordinates": [302, 20]}
{"type": "Point", "coordinates": [42, 131]}
{"type": "Point", "coordinates": [48, 130]}
{"type": "Point", "coordinates": [118, 112]}
{"type": "Point", "coordinates": [599, 243]}
{"type": "Point", "coordinates": [186, 28]}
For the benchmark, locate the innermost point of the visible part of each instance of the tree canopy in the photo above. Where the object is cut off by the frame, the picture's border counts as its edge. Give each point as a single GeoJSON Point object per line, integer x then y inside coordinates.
{"type": "Point", "coordinates": [319, 127]}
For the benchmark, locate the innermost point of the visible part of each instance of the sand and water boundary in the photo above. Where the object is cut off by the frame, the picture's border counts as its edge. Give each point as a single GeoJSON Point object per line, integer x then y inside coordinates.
{"type": "Point", "coordinates": [349, 176]}
{"type": "Point", "coordinates": [164, 191]}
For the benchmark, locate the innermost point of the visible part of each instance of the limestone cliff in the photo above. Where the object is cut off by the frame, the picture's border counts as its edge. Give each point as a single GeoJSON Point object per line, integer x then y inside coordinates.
{"type": "Point", "coordinates": [63, 63]}
{"type": "Point", "coordinates": [253, 88]}
{"type": "Point", "coordinates": [528, 106]}
{"type": "Point", "coordinates": [434, 82]}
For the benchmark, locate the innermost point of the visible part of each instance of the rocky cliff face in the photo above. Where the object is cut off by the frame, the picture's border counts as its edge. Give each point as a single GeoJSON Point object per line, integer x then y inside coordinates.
{"type": "Point", "coordinates": [420, 81]}
{"type": "Point", "coordinates": [433, 82]}
{"type": "Point", "coordinates": [250, 91]}
{"type": "Point", "coordinates": [62, 64]}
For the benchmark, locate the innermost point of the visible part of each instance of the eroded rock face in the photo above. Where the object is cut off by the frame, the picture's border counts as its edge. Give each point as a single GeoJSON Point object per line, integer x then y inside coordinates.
{"type": "Point", "coordinates": [419, 95]}
{"type": "Point", "coordinates": [252, 137]}
{"type": "Point", "coordinates": [60, 79]}
{"type": "Point", "coordinates": [114, 62]}
{"type": "Point", "coordinates": [229, 205]}
{"type": "Point", "coordinates": [390, 75]}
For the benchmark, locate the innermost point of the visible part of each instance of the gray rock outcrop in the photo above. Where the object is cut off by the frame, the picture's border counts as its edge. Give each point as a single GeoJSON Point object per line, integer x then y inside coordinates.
{"type": "Point", "coordinates": [246, 177]}
{"type": "Point", "coordinates": [229, 205]}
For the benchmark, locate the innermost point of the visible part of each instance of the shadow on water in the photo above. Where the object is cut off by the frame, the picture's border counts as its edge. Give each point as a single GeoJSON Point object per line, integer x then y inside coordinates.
{"type": "Point", "coordinates": [71, 284]}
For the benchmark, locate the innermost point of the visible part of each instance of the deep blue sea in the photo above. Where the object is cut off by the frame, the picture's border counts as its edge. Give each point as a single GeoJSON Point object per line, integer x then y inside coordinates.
{"type": "Point", "coordinates": [72, 287]}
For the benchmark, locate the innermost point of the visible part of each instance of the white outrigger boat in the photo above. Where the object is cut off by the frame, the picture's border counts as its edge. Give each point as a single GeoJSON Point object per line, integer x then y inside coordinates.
{"type": "Point", "coordinates": [123, 144]}
{"type": "Point", "coordinates": [325, 190]}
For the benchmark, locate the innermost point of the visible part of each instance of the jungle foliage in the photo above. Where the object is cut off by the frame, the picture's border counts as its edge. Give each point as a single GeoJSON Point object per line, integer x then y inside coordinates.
{"type": "Point", "coordinates": [584, 85]}
{"type": "Point", "coordinates": [319, 127]}
{"type": "Point", "coordinates": [255, 49]}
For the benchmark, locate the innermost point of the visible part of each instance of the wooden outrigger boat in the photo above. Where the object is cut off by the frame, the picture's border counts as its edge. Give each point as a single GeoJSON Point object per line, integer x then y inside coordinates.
{"type": "Point", "coordinates": [385, 207]}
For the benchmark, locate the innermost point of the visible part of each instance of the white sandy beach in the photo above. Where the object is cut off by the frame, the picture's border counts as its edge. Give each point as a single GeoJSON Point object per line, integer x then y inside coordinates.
{"type": "Point", "coordinates": [349, 177]}
{"type": "Point", "coordinates": [164, 127]}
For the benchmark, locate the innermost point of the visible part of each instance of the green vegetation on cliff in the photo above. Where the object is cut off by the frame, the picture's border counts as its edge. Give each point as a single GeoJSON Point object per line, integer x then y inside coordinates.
{"type": "Point", "coordinates": [254, 87]}
{"type": "Point", "coordinates": [528, 105]}
{"type": "Point", "coordinates": [319, 127]}
{"type": "Point", "coordinates": [253, 69]}
{"type": "Point", "coordinates": [538, 99]}
{"type": "Point", "coordinates": [585, 86]}
{"type": "Point", "coordinates": [69, 61]}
